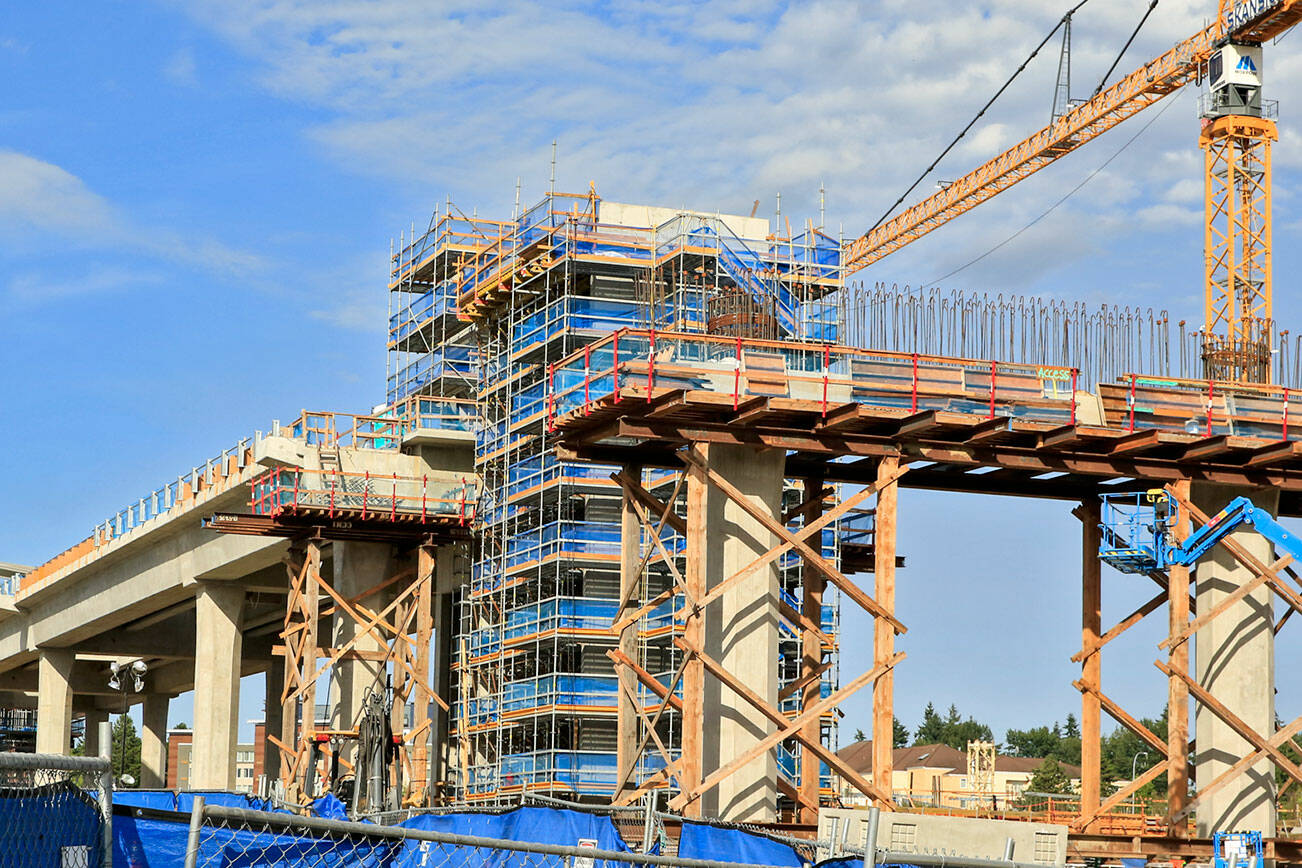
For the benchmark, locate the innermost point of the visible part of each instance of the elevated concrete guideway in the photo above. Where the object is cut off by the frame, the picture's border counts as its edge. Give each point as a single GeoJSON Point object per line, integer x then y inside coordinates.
{"type": "Point", "coordinates": [167, 587]}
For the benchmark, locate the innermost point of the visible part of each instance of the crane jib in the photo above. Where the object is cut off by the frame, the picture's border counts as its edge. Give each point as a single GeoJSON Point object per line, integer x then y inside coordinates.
{"type": "Point", "coordinates": [1247, 11]}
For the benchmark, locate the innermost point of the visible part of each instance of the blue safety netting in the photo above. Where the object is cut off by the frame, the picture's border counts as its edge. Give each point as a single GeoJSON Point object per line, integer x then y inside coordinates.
{"type": "Point", "coordinates": [43, 823]}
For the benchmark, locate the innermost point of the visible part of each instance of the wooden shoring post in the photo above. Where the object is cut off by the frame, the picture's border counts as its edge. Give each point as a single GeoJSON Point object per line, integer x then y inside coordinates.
{"type": "Point", "coordinates": [306, 592]}
{"type": "Point", "coordinates": [294, 625]}
{"type": "Point", "coordinates": [693, 713]}
{"type": "Point", "coordinates": [1091, 771]}
{"type": "Point", "coordinates": [426, 559]}
{"type": "Point", "coordinates": [811, 660]}
{"type": "Point", "coordinates": [1177, 692]}
{"type": "Point", "coordinates": [883, 765]}
{"type": "Point", "coordinates": [630, 579]}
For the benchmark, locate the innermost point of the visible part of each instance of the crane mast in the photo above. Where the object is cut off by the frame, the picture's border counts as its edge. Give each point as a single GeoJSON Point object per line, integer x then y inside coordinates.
{"type": "Point", "coordinates": [1237, 130]}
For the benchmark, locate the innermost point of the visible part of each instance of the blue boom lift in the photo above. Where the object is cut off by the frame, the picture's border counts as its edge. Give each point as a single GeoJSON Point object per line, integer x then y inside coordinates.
{"type": "Point", "coordinates": [1138, 531]}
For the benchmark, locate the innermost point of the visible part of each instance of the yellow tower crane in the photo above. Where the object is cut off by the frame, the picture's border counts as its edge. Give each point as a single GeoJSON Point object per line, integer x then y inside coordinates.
{"type": "Point", "coordinates": [1238, 128]}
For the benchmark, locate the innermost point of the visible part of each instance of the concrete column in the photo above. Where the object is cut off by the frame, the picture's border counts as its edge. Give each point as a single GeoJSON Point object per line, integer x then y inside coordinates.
{"type": "Point", "coordinates": [91, 745]}
{"type": "Point", "coordinates": [1235, 662]}
{"type": "Point", "coordinates": [357, 567]}
{"type": "Point", "coordinates": [54, 701]}
{"type": "Point", "coordinates": [153, 742]}
{"type": "Point", "coordinates": [273, 715]}
{"type": "Point", "coordinates": [219, 620]}
{"type": "Point", "coordinates": [741, 630]}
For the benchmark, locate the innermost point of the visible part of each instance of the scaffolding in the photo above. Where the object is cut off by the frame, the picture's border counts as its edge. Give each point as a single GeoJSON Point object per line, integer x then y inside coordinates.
{"type": "Point", "coordinates": [483, 313]}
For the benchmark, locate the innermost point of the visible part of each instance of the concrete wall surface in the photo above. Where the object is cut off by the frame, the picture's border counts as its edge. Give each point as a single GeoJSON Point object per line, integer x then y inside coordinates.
{"type": "Point", "coordinates": [971, 837]}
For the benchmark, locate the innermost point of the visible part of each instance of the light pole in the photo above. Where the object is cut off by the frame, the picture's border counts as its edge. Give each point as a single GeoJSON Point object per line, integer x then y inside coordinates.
{"type": "Point", "coordinates": [1133, 760]}
{"type": "Point", "coordinates": [117, 681]}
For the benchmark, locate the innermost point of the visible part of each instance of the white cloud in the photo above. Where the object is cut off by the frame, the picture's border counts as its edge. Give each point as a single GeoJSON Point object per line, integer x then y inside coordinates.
{"type": "Point", "coordinates": [38, 195]}
{"type": "Point", "coordinates": [32, 287]}
{"type": "Point", "coordinates": [715, 105]}
{"type": "Point", "coordinates": [39, 200]}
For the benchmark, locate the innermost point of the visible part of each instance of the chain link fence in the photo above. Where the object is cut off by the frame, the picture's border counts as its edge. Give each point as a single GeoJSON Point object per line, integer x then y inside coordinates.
{"type": "Point", "coordinates": [221, 837]}
{"type": "Point", "coordinates": [55, 811]}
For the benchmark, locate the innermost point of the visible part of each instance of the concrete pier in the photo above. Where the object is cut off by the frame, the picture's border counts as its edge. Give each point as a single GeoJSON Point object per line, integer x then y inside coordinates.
{"type": "Point", "coordinates": [357, 567]}
{"type": "Point", "coordinates": [54, 701]}
{"type": "Point", "coordinates": [219, 610]}
{"type": "Point", "coordinates": [741, 631]}
{"type": "Point", "coordinates": [1235, 661]}
{"type": "Point", "coordinates": [153, 741]}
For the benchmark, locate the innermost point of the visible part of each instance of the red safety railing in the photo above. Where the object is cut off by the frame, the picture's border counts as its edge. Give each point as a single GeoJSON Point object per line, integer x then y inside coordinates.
{"type": "Point", "coordinates": [643, 363]}
{"type": "Point", "coordinates": [337, 492]}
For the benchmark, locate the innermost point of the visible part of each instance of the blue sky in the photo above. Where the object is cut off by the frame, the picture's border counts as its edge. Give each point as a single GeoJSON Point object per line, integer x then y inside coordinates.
{"type": "Point", "coordinates": [197, 201]}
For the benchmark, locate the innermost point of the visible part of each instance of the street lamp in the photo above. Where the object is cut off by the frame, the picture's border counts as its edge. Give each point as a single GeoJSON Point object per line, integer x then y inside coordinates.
{"type": "Point", "coordinates": [117, 681]}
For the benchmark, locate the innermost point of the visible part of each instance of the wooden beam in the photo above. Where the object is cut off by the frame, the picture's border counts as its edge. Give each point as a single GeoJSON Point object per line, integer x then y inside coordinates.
{"type": "Point", "coordinates": [1229, 600]}
{"type": "Point", "coordinates": [1234, 722]}
{"type": "Point", "coordinates": [884, 636]}
{"type": "Point", "coordinates": [811, 557]}
{"type": "Point", "coordinates": [1091, 665]}
{"type": "Point", "coordinates": [786, 729]}
{"type": "Point", "coordinates": [1177, 696]}
{"type": "Point", "coordinates": [1279, 739]}
{"type": "Point", "coordinates": [1081, 823]}
{"type": "Point", "coordinates": [1123, 625]}
{"type": "Point", "coordinates": [991, 429]}
{"type": "Point", "coordinates": [651, 502]}
{"type": "Point", "coordinates": [811, 664]}
{"type": "Point", "coordinates": [1122, 717]}
{"type": "Point", "coordinates": [630, 580]}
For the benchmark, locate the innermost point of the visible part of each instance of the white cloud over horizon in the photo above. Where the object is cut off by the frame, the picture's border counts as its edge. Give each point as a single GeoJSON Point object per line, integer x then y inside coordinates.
{"type": "Point", "coordinates": [711, 106]}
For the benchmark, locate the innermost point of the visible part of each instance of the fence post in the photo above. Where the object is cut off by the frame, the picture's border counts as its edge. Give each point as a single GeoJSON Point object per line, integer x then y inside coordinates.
{"type": "Point", "coordinates": [870, 840]}
{"type": "Point", "coordinates": [1285, 437]}
{"type": "Point", "coordinates": [106, 792]}
{"type": "Point", "coordinates": [192, 838]}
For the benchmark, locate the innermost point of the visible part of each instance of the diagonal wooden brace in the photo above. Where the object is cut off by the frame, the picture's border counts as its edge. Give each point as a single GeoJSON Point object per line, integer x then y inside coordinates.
{"type": "Point", "coordinates": [811, 557]}
{"type": "Point", "coordinates": [1259, 579]}
{"type": "Point", "coordinates": [1122, 626]}
{"type": "Point", "coordinates": [1245, 557]}
{"type": "Point", "coordinates": [1234, 722]}
{"type": "Point", "coordinates": [1122, 717]}
{"type": "Point", "coordinates": [787, 728]}
{"type": "Point", "coordinates": [1281, 737]}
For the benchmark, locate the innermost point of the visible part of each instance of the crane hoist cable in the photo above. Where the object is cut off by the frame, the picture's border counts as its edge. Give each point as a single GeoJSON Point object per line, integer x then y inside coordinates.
{"type": "Point", "coordinates": [1140, 26]}
{"type": "Point", "coordinates": [979, 115]}
{"type": "Point", "coordinates": [1090, 177]}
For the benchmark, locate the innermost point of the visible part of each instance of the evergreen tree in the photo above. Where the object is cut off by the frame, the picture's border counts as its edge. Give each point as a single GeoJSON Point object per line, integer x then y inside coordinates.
{"type": "Point", "coordinates": [1050, 779]}
{"type": "Point", "coordinates": [859, 735]}
{"type": "Point", "coordinates": [1071, 729]}
{"type": "Point", "coordinates": [951, 729]}
{"type": "Point", "coordinates": [932, 728]}
{"type": "Point", "coordinates": [126, 750]}
{"type": "Point", "coordinates": [901, 735]}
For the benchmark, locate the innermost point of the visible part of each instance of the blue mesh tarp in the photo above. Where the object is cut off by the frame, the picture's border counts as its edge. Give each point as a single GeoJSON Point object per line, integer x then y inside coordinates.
{"type": "Point", "coordinates": [699, 841]}
{"type": "Point", "coordinates": [535, 825]}
{"type": "Point", "coordinates": [39, 822]}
